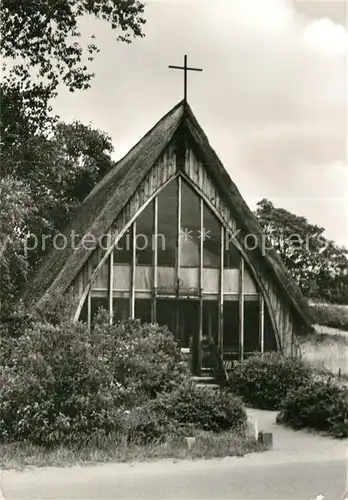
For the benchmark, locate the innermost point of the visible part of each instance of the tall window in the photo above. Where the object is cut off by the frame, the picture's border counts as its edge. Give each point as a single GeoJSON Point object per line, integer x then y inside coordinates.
{"type": "Point", "coordinates": [190, 227]}
{"type": "Point", "coordinates": [120, 309]}
{"type": "Point", "coordinates": [231, 254]}
{"type": "Point", "coordinates": [231, 327]}
{"type": "Point", "coordinates": [251, 326]}
{"type": "Point", "coordinates": [270, 340]}
{"type": "Point", "coordinates": [210, 321]}
{"type": "Point", "coordinates": [98, 305]}
{"type": "Point", "coordinates": [123, 249]}
{"type": "Point", "coordinates": [167, 314]}
{"type": "Point", "coordinates": [167, 225]}
{"type": "Point", "coordinates": [211, 234]}
{"type": "Point", "coordinates": [143, 310]}
{"type": "Point", "coordinates": [144, 236]}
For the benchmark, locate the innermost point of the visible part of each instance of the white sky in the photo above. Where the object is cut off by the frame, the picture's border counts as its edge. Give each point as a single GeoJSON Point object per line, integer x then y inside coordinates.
{"type": "Point", "coordinates": [271, 98]}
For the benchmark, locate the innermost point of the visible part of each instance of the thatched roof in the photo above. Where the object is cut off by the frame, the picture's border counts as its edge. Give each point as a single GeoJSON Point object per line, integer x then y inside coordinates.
{"type": "Point", "coordinates": [98, 211]}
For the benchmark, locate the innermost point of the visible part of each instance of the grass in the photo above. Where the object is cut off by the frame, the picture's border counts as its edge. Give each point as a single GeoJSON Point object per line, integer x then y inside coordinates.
{"type": "Point", "coordinates": [207, 445]}
{"type": "Point", "coordinates": [328, 354]}
{"type": "Point", "coordinates": [333, 315]}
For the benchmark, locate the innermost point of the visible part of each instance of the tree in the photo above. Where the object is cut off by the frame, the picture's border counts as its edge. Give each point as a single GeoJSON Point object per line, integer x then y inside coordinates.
{"type": "Point", "coordinates": [41, 45]}
{"type": "Point", "coordinates": [318, 265]}
{"type": "Point", "coordinates": [40, 189]}
{"type": "Point", "coordinates": [48, 167]}
{"type": "Point", "coordinates": [16, 206]}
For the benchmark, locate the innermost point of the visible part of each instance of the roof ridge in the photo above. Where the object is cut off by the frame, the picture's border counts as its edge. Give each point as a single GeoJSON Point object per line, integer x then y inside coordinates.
{"type": "Point", "coordinates": [119, 162]}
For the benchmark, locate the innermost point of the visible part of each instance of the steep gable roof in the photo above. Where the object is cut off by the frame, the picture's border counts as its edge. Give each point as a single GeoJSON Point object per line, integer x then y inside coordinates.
{"type": "Point", "coordinates": [98, 211]}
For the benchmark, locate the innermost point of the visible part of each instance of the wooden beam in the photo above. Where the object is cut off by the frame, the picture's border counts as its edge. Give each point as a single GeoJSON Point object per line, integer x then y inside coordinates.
{"type": "Point", "coordinates": [262, 323]}
{"type": "Point", "coordinates": [89, 298]}
{"type": "Point", "coordinates": [201, 247]}
{"type": "Point", "coordinates": [154, 260]}
{"type": "Point", "coordinates": [178, 259]}
{"type": "Point", "coordinates": [178, 246]}
{"type": "Point", "coordinates": [241, 309]}
{"type": "Point", "coordinates": [111, 287]}
{"type": "Point", "coordinates": [133, 268]}
{"type": "Point", "coordinates": [221, 294]}
{"type": "Point", "coordinates": [200, 284]}
{"type": "Point", "coordinates": [80, 284]}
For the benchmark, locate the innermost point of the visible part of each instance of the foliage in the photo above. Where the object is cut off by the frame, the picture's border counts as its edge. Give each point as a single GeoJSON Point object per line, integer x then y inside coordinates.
{"type": "Point", "coordinates": [319, 265]}
{"type": "Point", "coordinates": [186, 410]}
{"type": "Point", "coordinates": [264, 380]}
{"type": "Point", "coordinates": [118, 448]}
{"type": "Point", "coordinates": [44, 180]}
{"type": "Point", "coordinates": [16, 208]}
{"type": "Point", "coordinates": [42, 42]}
{"type": "Point", "coordinates": [145, 425]}
{"type": "Point", "coordinates": [62, 383]}
{"type": "Point", "coordinates": [320, 405]}
{"type": "Point", "coordinates": [49, 167]}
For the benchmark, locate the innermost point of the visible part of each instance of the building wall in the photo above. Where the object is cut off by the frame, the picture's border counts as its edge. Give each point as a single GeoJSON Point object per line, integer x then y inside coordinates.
{"type": "Point", "coordinates": [95, 275]}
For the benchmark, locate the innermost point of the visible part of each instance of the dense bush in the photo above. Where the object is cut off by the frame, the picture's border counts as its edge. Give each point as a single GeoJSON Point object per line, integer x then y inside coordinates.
{"type": "Point", "coordinates": [263, 381]}
{"type": "Point", "coordinates": [61, 383]}
{"type": "Point", "coordinates": [185, 411]}
{"type": "Point", "coordinates": [320, 405]}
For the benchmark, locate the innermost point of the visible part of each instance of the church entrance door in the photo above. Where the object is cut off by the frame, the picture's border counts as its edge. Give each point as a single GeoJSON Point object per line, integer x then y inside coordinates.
{"type": "Point", "coordinates": [182, 318]}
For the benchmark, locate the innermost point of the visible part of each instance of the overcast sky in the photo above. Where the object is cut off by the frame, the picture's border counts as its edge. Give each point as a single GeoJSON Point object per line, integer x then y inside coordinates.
{"type": "Point", "coordinates": [271, 98]}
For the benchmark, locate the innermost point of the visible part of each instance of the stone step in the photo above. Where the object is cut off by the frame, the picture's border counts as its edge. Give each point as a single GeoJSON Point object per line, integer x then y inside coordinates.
{"type": "Point", "coordinates": [206, 381]}
{"type": "Point", "coordinates": [214, 387]}
{"type": "Point", "coordinates": [203, 378]}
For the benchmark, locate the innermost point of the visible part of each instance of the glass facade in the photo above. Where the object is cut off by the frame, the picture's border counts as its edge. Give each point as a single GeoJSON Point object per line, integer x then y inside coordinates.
{"type": "Point", "coordinates": [167, 225]}
{"type": "Point", "coordinates": [185, 272]}
{"type": "Point", "coordinates": [144, 230]}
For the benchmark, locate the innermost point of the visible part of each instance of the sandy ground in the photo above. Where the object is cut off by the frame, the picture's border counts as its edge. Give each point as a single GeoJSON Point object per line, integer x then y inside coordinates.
{"type": "Point", "coordinates": [300, 466]}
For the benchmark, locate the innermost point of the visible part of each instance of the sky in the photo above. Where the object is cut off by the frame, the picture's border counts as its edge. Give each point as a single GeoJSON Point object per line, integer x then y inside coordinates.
{"type": "Point", "coordinates": [271, 97]}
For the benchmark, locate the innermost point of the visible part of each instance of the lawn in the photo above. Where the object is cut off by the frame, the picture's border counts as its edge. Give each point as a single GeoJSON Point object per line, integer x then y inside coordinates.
{"type": "Point", "coordinates": [206, 445]}
{"type": "Point", "coordinates": [327, 348]}
{"type": "Point", "coordinates": [333, 315]}
{"type": "Point", "coordinates": [327, 351]}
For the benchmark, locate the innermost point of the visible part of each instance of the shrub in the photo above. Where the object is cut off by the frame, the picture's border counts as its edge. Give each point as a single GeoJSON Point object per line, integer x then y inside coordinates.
{"type": "Point", "coordinates": [187, 410]}
{"type": "Point", "coordinates": [320, 405]}
{"type": "Point", "coordinates": [62, 383]}
{"type": "Point", "coordinates": [263, 381]}
{"type": "Point", "coordinates": [148, 424]}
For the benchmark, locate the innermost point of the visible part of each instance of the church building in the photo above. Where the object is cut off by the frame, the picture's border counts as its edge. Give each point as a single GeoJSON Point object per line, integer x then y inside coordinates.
{"type": "Point", "coordinates": [166, 237]}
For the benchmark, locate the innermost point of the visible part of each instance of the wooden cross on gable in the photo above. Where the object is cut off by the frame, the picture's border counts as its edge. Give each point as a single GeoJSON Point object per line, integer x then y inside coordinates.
{"type": "Point", "coordinates": [185, 68]}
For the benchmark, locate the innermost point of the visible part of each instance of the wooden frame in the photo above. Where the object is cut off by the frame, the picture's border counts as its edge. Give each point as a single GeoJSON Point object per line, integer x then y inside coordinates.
{"type": "Point", "coordinates": [221, 294]}
{"type": "Point", "coordinates": [178, 254]}
{"type": "Point", "coordinates": [132, 223]}
{"type": "Point", "coordinates": [89, 298]}
{"type": "Point", "coordinates": [155, 260]}
{"type": "Point", "coordinates": [111, 287]}
{"type": "Point", "coordinates": [133, 268]}
{"type": "Point", "coordinates": [262, 324]}
{"type": "Point", "coordinates": [241, 310]}
{"type": "Point", "coordinates": [125, 227]}
{"type": "Point", "coordinates": [200, 284]}
{"type": "Point", "coordinates": [178, 246]}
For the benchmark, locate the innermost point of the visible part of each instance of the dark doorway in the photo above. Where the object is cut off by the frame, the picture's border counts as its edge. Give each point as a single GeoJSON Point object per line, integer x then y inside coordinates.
{"type": "Point", "coordinates": [251, 327]}
{"type": "Point", "coordinates": [182, 319]}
